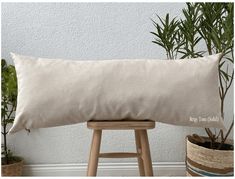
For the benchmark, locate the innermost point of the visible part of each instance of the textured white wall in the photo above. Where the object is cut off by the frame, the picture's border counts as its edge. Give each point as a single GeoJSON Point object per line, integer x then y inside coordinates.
{"type": "Point", "coordinates": [88, 31]}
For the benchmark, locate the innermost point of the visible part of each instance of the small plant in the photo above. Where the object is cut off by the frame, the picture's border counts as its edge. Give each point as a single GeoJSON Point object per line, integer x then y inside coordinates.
{"type": "Point", "coordinates": [208, 23]}
{"type": "Point", "coordinates": [9, 99]}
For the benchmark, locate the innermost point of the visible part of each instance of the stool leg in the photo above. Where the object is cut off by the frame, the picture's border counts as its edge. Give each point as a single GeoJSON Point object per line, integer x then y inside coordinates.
{"type": "Point", "coordinates": [148, 168]}
{"type": "Point", "coordinates": [139, 151]}
{"type": "Point", "coordinates": [94, 153]}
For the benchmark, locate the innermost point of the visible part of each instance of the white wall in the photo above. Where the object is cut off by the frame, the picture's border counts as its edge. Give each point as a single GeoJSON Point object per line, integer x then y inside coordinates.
{"type": "Point", "coordinates": [88, 31]}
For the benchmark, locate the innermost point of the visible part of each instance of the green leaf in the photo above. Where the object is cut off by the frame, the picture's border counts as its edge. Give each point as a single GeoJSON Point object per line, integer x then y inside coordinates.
{"type": "Point", "coordinates": [221, 64]}
{"type": "Point", "coordinates": [9, 121]}
{"type": "Point", "coordinates": [224, 74]}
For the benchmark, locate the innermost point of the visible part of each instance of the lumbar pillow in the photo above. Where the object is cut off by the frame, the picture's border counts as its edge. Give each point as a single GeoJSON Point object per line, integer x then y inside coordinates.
{"type": "Point", "coordinates": [54, 92]}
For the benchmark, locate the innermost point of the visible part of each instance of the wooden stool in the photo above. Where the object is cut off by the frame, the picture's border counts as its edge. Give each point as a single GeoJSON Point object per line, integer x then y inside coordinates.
{"type": "Point", "coordinates": [141, 139]}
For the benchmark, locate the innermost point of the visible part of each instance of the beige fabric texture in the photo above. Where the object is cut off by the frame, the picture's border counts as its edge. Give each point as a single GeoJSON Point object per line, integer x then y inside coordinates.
{"type": "Point", "coordinates": [56, 92]}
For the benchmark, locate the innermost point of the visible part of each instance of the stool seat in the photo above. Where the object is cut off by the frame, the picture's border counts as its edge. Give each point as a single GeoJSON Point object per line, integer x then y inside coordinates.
{"type": "Point", "coordinates": [121, 124]}
{"type": "Point", "coordinates": [141, 139]}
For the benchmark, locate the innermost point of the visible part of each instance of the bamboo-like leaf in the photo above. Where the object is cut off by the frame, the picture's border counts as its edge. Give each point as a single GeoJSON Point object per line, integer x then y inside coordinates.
{"type": "Point", "coordinates": [224, 75]}
{"type": "Point", "coordinates": [158, 43]}
{"type": "Point", "coordinates": [230, 59]}
{"type": "Point", "coordinates": [216, 40]}
{"type": "Point", "coordinates": [221, 64]}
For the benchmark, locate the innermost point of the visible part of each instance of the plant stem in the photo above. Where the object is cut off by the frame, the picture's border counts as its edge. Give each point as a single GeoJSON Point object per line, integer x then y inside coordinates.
{"type": "Point", "coordinates": [5, 138]}
{"type": "Point", "coordinates": [209, 47]}
{"type": "Point", "coordinates": [211, 137]}
{"type": "Point", "coordinates": [223, 141]}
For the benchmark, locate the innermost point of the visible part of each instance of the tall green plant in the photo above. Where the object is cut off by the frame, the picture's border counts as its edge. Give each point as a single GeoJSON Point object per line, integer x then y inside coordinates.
{"type": "Point", "coordinates": [167, 36]}
{"type": "Point", "coordinates": [188, 28]}
{"type": "Point", "coordinates": [8, 102]}
{"type": "Point", "coordinates": [211, 24]}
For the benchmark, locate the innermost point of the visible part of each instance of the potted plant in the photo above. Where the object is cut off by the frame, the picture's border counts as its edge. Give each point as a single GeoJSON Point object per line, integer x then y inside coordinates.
{"type": "Point", "coordinates": [211, 24]}
{"type": "Point", "coordinates": [11, 165]}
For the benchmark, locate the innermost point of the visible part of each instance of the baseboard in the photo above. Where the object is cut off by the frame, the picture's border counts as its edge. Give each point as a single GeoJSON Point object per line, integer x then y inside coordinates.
{"type": "Point", "coordinates": [104, 169]}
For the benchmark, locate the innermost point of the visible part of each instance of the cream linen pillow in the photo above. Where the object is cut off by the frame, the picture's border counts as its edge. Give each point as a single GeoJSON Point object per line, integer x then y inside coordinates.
{"type": "Point", "coordinates": [55, 92]}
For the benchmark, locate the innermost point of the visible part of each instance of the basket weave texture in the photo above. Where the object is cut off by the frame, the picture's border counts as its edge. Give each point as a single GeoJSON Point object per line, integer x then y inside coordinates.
{"type": "Point", "coordinates": [14, 169]}
{"type": "Point", "coordinates": [201, 161]}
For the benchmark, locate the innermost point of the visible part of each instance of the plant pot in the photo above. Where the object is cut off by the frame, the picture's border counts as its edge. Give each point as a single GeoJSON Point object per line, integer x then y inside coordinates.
{"type": "Point", "coordinates": [14, 168]}
{"type": "Point", "coordinates": [203, 161]}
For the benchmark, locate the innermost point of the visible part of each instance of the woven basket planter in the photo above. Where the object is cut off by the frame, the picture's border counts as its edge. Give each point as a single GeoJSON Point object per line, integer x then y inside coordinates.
{"type": "Point", "coordinates": [13, 169]}
{"type": "Point", "coordinates": [202, 161]}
